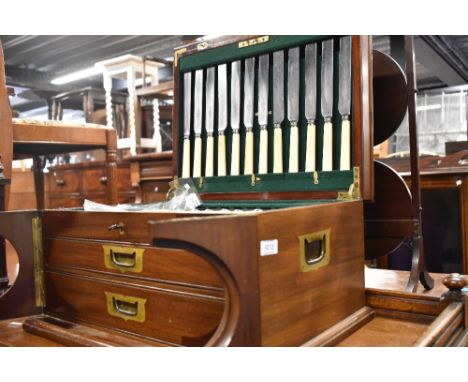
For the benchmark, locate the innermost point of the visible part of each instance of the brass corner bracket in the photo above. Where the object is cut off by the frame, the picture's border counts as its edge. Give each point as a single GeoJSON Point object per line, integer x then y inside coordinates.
{"type": "Point", "coordinates": [354, 191]}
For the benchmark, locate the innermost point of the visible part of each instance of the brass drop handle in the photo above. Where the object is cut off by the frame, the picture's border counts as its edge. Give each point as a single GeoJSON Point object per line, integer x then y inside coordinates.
{"type": "Point", "coordinates": [119, 226]}
{"type": "Point", "coordinates": [103, 180]}
{"type": "Point", "coordinates": [60, 182]}
{"type": "Point", "coordinates": [125, 307]}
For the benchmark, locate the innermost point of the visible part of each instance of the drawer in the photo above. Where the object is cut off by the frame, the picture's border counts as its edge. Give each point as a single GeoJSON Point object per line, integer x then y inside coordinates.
{"type": "Point", "coordinates": [154, 190]}
{"type": "Point", "coordinates": [63, 181]}
{"type": "Point", "coordinates": [65, 201]}
{"type": "Point", "coordinates": [94, 179]}
{"type": "Point", "coordinates": [171, 315]}
{"type": "Point", "coordinates": [167, 265]}
{"type": "Point", "coordinates": [129, 227]}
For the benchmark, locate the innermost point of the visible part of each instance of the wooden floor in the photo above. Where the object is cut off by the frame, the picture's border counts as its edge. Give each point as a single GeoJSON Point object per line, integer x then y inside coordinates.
{"type": "Point", "coordinates": [384, 331]}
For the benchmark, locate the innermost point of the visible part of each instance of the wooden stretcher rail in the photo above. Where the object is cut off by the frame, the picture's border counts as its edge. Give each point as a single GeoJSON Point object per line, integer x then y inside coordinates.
{"type": "Point", "coordinates": [443, 326]}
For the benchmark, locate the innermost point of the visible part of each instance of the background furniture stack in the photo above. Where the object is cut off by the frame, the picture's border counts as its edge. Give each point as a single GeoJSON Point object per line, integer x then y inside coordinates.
{"type": "Point", "coordinates": [132, 69]}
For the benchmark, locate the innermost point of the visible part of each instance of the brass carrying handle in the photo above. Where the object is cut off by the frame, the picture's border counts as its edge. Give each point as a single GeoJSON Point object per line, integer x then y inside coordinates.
{"type": "Point", "coordinates": [119, 226]}
{"type": "Point", "coordinates": [60, 182]}
{"type": "Point", "coordinates": [103, 180]}
{"type": "Point", "coordinates": [314, 250]}
{"type": "Point", "coordinates": [125, 307]}
{"type": "Point", "coordinates": [121, 259]}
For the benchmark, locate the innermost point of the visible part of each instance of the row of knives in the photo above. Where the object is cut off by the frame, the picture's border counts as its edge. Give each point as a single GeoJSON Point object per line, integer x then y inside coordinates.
{"type": "Point", "coordinates": [194, 167]}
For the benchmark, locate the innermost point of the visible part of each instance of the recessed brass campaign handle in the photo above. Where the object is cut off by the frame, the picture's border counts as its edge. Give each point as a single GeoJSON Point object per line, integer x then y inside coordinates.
{"type": "Point", "coordinates": [125, 259]}
{"type": "Point", "coordinates": [126, 307]}
{"type": "Point", "coordinates": [314, 249]}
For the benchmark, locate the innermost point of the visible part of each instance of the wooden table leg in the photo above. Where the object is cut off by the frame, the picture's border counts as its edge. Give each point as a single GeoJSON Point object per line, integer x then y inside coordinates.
{"type": "Point", "coordinates": [38, 169]}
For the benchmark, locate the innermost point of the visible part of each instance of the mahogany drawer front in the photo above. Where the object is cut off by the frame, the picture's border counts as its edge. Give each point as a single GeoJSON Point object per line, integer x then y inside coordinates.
{"type": "Point", "coordinates": [156, 190]}
{"type": "Point", "coordinates": [62, 201]}
{"type": "Point", "coordinates": [64, 182]}
{"type": "Point", "coordinates": [170, 315]}
{"type": "Point", "coordinates": [131, 227]}
{"type": "Point", "coordinates": [169, 265]}
{"type": "Point", "coordinates": [93, 179]}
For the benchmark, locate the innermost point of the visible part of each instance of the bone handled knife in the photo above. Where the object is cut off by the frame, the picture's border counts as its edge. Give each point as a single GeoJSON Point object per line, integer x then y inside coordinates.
{"type": "Point", "coordinates": [293, 108]}
{"type": "Point", "coordinates": [249, 78]}
{"type": "Point", "coordinates": [197, 123]}
{"type": "Point", "coordinates": [187, 107]}
{"type": "Point", "coordinates": [278, 109]}
{"type": "Point", "coordinates": [222, 118]}
{"type": "Point", "coordinates": [209, 120]}
{"type": "Point", "coordinates": [235, 116]}
{"type": "Point", "coordinates": [263, 67]}
{"type": "Point", "coordinates": [344, 102]}
{"type": "Point", "coordinates": [310, 104]}
{"type": "Point", "coordinates": [327, 104]}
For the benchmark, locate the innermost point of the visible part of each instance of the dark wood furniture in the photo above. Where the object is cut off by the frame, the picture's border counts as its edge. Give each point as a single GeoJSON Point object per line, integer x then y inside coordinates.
{"type": "Point", "coordinates": [93, 103]}
{"type": "Point", "coordinates": [30, 138]}
{"type": "Point", "coordinates": [150, 175]}
{"type": "Point", "coordinates": [289, 274]}
{"type": "Point", "coordinates": [4, 182]}
{"type": "Point", "coordinates": [69, 184]}
{"type": "Point", "coordinates": [444, 193]}
{"type": "Point", "coordinates": [100, 287]}
{"type": "Point", "coordinates": [145, 96]}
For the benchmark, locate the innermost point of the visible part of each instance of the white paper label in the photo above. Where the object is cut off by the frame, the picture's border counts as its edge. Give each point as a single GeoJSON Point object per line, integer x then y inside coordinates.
{"type": "Point", "coordinates": [268, 247]}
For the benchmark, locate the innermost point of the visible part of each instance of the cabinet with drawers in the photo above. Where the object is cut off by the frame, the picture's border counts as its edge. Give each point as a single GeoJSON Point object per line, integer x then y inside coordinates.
{"type": "Point", "coordinates": [69, 185]}
{"type": "Point", "coordinates": [100, 272]}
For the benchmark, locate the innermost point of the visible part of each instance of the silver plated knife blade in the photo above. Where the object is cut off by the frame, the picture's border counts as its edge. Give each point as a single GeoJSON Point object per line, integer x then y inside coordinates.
{"type": "Point", "coordinates": [278, 87]}
{"type": "Point", "coordinates": [249, 78]}
{"type": "Point", "coordinates": [198, 102]}
{"type": "Point", "coordinates": [327, 104]}
{"type": "Point", "coordinates": [344, 100]}
{"type": "Point", "coordinates": [209, 116]}
{"type": "Point", "coordinates": [263, 90]}
{"type": "Point", "coordinates": [327, 79]}
{"type": "Point", "coordinates": [263, 69]}
{"type": "Point", "coordinates": [310, 104]}
{"type": "Point", "coordinates": [187, 102]}
{"type": "Point", "coordinates": [235, 95]}
{"type": "Point", "coordinates": [222, 98]}
{"type": "Point", "coordinates": [310, 81]}
{"type": "Point", "coordinates": [293, 85]}
{"type": "Point", "coordinates": [278, 110]}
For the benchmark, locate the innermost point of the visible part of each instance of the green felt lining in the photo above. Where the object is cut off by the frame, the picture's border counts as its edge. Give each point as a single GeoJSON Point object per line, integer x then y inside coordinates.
{"type": "Point", "coordinates": [301, 181]}
{"type": "Point", "coordinates": [261, 204]}
{"type": "Point", "coordinates": [232, 52]}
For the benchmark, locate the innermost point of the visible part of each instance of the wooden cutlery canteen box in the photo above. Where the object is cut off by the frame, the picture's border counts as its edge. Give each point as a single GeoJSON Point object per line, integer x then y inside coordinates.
{"type": "Point", "coordinates": [282, 124]}
{"type": "Point", "coordinates": [278, 131]}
